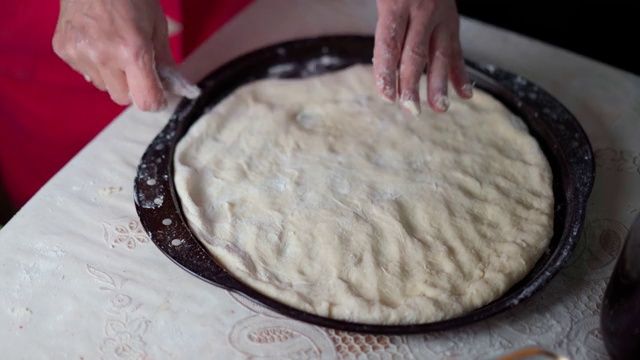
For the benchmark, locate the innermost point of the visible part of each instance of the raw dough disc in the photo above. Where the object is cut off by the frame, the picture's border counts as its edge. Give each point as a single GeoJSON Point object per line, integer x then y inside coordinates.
{"type": "Point", "coordinates": [320, 195]}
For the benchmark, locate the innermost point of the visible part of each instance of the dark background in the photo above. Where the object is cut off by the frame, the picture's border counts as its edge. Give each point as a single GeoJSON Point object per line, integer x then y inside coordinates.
{"type": "Point", "coordinates": [604, 30]}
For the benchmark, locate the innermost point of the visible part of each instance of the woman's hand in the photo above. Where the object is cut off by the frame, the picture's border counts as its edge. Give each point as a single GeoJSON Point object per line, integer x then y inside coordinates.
{"type": "Point", "coordinates": [116, 45]}
{"type": "Point", "coordinates": [411, 34]}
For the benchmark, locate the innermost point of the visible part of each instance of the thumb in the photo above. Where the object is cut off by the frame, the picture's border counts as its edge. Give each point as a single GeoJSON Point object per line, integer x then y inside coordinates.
{"type": "Point", "coordinates": [144, 88]}
{"type": "Point", "coordinates": [172, 81]}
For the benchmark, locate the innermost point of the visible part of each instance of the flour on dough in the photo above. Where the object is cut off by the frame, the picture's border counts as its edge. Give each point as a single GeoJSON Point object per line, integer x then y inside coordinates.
{"type": "Point", "coordinates": [321, 196]}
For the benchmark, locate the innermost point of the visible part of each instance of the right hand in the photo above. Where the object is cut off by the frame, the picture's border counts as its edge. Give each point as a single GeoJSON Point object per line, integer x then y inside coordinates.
{"type": "Point", "coordinates": [117, 45]}
{"type": "Point", "coordinates": [410, 34]}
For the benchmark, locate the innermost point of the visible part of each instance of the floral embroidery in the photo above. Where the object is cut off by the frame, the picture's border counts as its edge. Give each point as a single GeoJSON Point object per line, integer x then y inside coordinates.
{"type": "Point", "coordinates": [268, 335]}
{"type": "Point", "coordinates": [595, 253]}
{"type": "Point", "coordinates": [124, 345]}
{"type": "Point", "coordinates": [618, 160]}
{"type": "Point", "coordinates": [123, 330]}
{"type": "Point", "coordinates": [120, 300]}
{"type": "Point", "coordinates": [271, 335]}
{"type": "Point", "coordinates": [124, 231]}
{"type": "Point", "coordinates": [587, 333]}
{"type": "Point", "coordinates": [260, 337]}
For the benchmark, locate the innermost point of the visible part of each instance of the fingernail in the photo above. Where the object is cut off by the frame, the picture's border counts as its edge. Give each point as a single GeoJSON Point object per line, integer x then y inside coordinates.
{"type": "Point", "coordinates": [387, 91]}
{"type": "Point", "coordinates": [408, 101]}
{"type": "Point", "coordinates": [387, 94]}
{"type": "Point", "coordinates": [412, 106]}
{"type": "Point", "coordinates": [442, 102]}
{"type": "Point", "coordinates": [467, 90]}
{"type": "Point", "coordinates": [386, 99]}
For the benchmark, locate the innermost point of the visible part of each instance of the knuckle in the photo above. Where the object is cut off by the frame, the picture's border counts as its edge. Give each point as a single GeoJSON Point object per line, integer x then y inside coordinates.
{"type": "Point", "coordinates": [135, 49]}
{"type": "Point", "coordinates": [413, 65]}
{"type": "Point", "coordinates": [426, 7]}
{"type": "Point", "coordinates": [418, 53]}
{"type": "Point", "coordinates": [58, 45]}
{"type": "Point", "coordinates": [63, 49]}
{"type": "Point", "coordinates": [120, 99]}
{"type": "Point", "coordinates": [98, 56]}
{"type": "Point", "coordinates": [390, 46]}
{"type": "Point", "coordinates": [443, 54]}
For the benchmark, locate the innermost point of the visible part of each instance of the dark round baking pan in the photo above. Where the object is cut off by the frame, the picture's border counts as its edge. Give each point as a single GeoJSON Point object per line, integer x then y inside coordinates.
{"type": "Point", "coordinates": [563, 141]}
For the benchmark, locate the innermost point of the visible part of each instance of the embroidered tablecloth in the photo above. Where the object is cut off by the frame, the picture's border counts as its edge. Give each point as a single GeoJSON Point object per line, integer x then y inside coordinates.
{"type": "Point", "coordinates": [80, 279]}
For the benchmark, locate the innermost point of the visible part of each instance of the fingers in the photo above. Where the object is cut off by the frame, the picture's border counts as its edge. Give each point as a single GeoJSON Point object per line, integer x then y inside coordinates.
{"type": "Point", "coordinates": [409, 35]}
{"type": "Point", "coordinates": [389, 37]}
{"type": "Point", "coordinates": [438, 71]}
{"type": "Point", "coordinates": [112, 44]}
{"type": "Point", "coordinates": [90, 74]}
{"type": "Point", "coordinates": [412, 63]}
{"type": "Point", "coordinates": [127, 77]}
{"type": "Point", "coordinates": [78, 62]}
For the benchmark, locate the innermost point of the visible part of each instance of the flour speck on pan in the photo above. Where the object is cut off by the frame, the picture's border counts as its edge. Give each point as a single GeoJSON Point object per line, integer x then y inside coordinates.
{"type": "Point", "coordinates": [363, 212]}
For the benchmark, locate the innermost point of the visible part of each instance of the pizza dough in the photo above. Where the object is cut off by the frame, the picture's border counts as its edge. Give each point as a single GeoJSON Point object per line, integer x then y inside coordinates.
{"type": "Point", "coordinates": [322, 196]}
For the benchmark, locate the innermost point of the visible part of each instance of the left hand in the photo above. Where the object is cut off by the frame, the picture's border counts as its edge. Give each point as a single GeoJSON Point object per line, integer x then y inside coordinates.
{"type": "Point", "coordinates": [118, 45]}
{"type": "Point", "coordinates": [411, 34]}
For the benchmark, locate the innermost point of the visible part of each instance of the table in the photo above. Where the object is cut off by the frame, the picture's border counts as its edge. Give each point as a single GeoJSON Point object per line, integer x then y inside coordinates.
{"type": "Point", "coordinates": [81, 279]}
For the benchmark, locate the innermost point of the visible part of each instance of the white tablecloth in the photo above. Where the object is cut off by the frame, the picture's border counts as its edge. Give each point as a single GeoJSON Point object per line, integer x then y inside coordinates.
{"type": "Point", "coordinates": [81, 280]}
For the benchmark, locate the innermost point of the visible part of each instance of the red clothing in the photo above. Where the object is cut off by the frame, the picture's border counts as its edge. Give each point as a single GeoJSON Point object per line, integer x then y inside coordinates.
{"type": "Point", "coordinates": [48, 112]}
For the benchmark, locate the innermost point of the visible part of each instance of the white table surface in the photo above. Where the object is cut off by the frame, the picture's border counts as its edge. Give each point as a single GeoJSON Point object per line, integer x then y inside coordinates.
{"type": "Point", "coordinates": [81, 280]}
